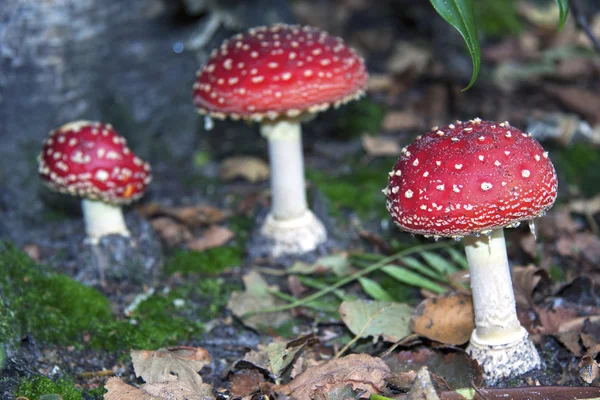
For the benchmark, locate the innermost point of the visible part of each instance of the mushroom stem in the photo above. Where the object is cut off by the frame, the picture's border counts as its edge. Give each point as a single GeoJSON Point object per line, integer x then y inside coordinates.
{"type": "Point", "coordinates": [287, 168]}
{"type": "Point", "coordinates": [496, 319]}
{"type": "Point", "coordinates": [102, 219]}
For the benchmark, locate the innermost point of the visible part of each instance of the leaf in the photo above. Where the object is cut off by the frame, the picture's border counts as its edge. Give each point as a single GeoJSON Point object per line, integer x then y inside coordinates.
{"type": "Point", "coordinates": [252, 169]}
{"type": "Point", "coordinates": [254, 299]}
{"type": "Point", "coordinates": [447, 319]}
{"type": "Point", "coordinates": [418, 266]}
{"type": "Point", "coordinates": [181, 361]}
{"type": "Point", "coordinates": [459, 14]}
{"type": "Point", "coordinates": [338, 264]}
{"type": "Point", "coordinates": [363, 372]}
{"type": "Point", "coordinates": [214, 236]}
{"type": "Point", "coordinates": [563, 8]}
{"type": "Point", "coordinates": [119, 390]}
{"type": "Point", "coordinates": [387, 320]}
{"type": "Point", "coordinates": [439, 263]}
{"type": "Point", "coordinates": [374, 290]}
{"type": "Point", "coordinates": [458, 258]}
{"type": "Point", "coordinates": [410, 278]}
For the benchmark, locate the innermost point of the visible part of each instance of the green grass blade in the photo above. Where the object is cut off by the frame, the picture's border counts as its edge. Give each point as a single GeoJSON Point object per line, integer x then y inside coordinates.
{"type": "Point", "coordinates": [460, 14]}
{"type": "Point", "coordinates": [374, 290]}
{"type": "Point", "coordinates": [439, 263]}
{"type": "Point", "coordinates": [410, 278]}
{"type": "Point", "coordinates": [421, 268]}
{"type": "Point", "coordinates": [563, 7]}
{"type": "Point", "coordinates": [458, 257]}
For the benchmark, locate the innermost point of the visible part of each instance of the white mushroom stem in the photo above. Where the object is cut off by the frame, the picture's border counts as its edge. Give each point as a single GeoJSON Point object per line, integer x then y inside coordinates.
{"type": "Point", "coordinates": [499, 343]}
{"type": "Point", "coordinates": [287, 169]}
{"type": "Point", "coordinates": [493, 297]}
{"type": "Point", "coordinates": [102, 219]}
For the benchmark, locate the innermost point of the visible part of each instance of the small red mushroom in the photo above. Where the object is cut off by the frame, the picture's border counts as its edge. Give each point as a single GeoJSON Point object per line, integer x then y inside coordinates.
{"type": "Point", "coordinates": [280, 75]}
{"type": "Point", "coordinates": [91, 160]}
{"type": "Point", "coordinates": [470, 179]}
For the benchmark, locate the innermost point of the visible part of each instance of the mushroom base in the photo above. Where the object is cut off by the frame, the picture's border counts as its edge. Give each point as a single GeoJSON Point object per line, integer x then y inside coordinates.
{"type": "Point", "coordinates": [293, 236]}
{"type": "Point", "coordinates": [502, 361]}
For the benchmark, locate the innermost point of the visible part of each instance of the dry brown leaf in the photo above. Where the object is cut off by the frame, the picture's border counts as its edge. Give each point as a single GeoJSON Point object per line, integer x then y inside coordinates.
{"type": "Point", "coordinates": [582, 101]}
{"type": "Point", "coordinates": [400, 120]}
{"type": "Point", "coordinates": [119, 390]}
{"type": "Point", "coordinates": [191, 216]}
{"type": "Point", "coordinates": [446, 318]}
{"type": "Point", "coordinates": [379, 146]}
{"type": "Point", "coordinates": [583, 244]}
{"type": "Point", "coordinates": [174, 389]}
{"type": "Point", "coordinates": [170, 231]}
{"type": "Point", "coordinates": [380, 82]}
{"type": "Point", "coordinates": [526, 280]}
{"type": "Point", "coordinates": [214, 236]}
{"type": "Point", "coordinates": [406, 56]}
{"type": "Point", "coordinates": [160, 365]}
{"type": "Point", "coordinates": [252, 169]}
{"type": "Point", "coordinates": [362, 371]}
{"type": "Point", "coordinates": [245, 382]}
{"type": "Point", "coordinates": [589, 370]}
{"type": "Point", "coordinates": [589, 206]}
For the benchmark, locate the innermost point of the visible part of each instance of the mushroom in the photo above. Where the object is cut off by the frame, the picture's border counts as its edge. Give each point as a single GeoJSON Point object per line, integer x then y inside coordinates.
{"type": "Point", "coordinates": [472, 179]}
{"type": "Point", "coordinates": [91, 160]}
{"type": "Point", "coordinates": [280, 76]}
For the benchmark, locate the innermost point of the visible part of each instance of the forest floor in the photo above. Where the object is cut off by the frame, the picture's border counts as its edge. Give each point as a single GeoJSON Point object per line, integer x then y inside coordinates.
{"type": "Point", "coordinates": [194, 295]}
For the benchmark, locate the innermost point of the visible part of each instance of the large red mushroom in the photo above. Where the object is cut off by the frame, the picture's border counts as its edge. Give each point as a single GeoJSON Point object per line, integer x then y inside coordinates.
{"type": "Point", "coordinates": [470, 180]}
{"type": "Point", "coordinates": [280, 76]}
{"type": "Point", "coordinates": [92, 161]}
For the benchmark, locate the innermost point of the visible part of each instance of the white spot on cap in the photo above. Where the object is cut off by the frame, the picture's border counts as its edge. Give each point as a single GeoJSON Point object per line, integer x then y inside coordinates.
{"type": "Point", "coordinates": [455, 189]}
{"type": "Point", "coordinates": [480, 158]}
{"type": "Point", "coordinates": [545, 154]}
{"type": "Point", "coordinates": [425, 174]}
{"type": "Point", "coordinates": [458, 166]}
{"type": "Point", "coordinates": [227, 64]}
{"type": "Point", "coordinates": [286, 76]}
{"type": "Point", "coordinates": [451, 126]}
{"type": "Point", "coordinates": [485, 186]}
{"type": "Point", "coordinates": [525, 173]}
{"type": "Point", "coordinates": [497, 163]}
{"type": "Point", "coordinates": [440, 187]}
{"type": "Point", "coordinates": [102, 175]}
{"type": "Point", "coordinates": [507, 152]}
{"type": "Point", "coordinates": [416, 162]}
{"type": "Point", "coordinates": [398, 173]}
{"type": "Point", "coordinates": [408, 194]}
{"type": "Point", "coordinates": [440, 133]}
{"type": "Point", "coordinates": [537, 157]}
{"type": "Point", "coordinates": [438, 163]}
{"type": "Point", "coordinates": [273, 65]}
{"type": "Point", "coordinates": [257, 79]}
{"type": "Point", "coordinates": [507, 134]}
{"type": "Point", "coordinates": [395, 189]}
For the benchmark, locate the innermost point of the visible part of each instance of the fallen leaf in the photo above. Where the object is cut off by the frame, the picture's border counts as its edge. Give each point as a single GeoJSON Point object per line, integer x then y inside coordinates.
{"type": "Point", "coordinates": [245, 381]}
{"type": "Point", "coordinates": [406, 57]}
{"type": "Point", "coordinates": [527, 280]}
{"type": "Point", "coordinates": [174, 389]}
{"type": "Point", "coordinates": [160, 365]}
{"type": "Point", "coordinates": [361, 371]}
{"type": "Point", "coordinates": [400, 120]}
{"type": "Point", "coordinates": [589, 370]}
{"type": "Point", "coordinates": [119, 390]}
{"type": "Point", "coordinates": [422, 387]}
{"type": "Point", "coordinates": [582, 101]}
{"type": "Point", "coordinates": [583, 244]}
{"type": "Point", "coordinates": [170, 231]}
{"type": "Point", "coordinates": [191, 216]}
{"type": "Point", "coordinates": [387, 320]}
{"type": "Point", "coordinates": [252, 169]}
{"type": "Point", "coordinates": [214, 236]}
{"type": "Point", "coordinates": [338, 264]}
{"type": "Point", "coordinates": [447, 318]}
{"type": "Point", "coordinates": [380, 146]}
{"type": "Point", "coordinates": [255, 298]}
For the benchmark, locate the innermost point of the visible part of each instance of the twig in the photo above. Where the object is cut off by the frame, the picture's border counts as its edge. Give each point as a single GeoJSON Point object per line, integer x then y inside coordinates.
{"type": "Point", "coordinates": [358, 335]}
{"type": "Point", "coordinates": [350, 278]}
{"type": "Point", "coordinates": [582, 22]}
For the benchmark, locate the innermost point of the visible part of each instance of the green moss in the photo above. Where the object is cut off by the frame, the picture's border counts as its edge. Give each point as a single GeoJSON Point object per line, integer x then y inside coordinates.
{"type": "Point", "coordinates": [38, 386]}
{"type": "Point", "coordinates": [580, 163]}
{"type": "Point", "coordinates": [96, 393]}
{"type": "Point", "coordinates": [358, 190]}
{"type": "Point", "coordinates": [211, 261]}
{"type": "Point", "coordinates": [58, 310]}
{"type": "Point", "coordinates": [358, 117]}
{"type": "Point", "coordinates": [498, 17]}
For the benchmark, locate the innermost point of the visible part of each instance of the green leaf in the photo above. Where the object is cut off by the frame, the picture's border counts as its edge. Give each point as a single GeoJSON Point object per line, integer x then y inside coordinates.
{"type": "Point", "coordinates": [374, 290]}
{"type": "Point", "coordinates": [388, 320]}
{"type": "Point", "coordinates": [421, 268]}
{"type": "Point", "coordinates": [439, 263]}
{"type": "Point", "coordinates": [563, 7]}
{"type": "Point", "coordinates": [458, 257]}
{"type": "Point", "coordinates": [410, 278]}
{"type": "Point", "coordinates": [460, 14]}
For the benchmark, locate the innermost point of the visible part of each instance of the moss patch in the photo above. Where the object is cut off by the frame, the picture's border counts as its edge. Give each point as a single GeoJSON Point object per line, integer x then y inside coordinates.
{"type": "Point", "coordinates": [211, 261]}
{"type": "Point", "coordinates": [38, 386]}
{"type": "Point", "coordinates": [358, 189]}
{"type": "Point", "coordinates": [58, 310]}
{"type": "Point", "coordinates": [358, 117]}
{"type": "Point", "coordinates": [580, 163]}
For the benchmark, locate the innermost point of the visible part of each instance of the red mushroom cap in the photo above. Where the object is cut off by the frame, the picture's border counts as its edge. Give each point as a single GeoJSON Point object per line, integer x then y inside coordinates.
{"type": "Point", "coordinates": [469, 178]}
{"type": "Point", "coordinates": [91, 160]}
{"type": "Point", "coordinates": [281, 69]}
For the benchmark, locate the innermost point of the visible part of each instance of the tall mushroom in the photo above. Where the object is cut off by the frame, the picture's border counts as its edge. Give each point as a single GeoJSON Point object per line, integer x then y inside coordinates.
{"type": "Point", "coordinates": [91, 160]}
{"type": "Point", "coordinates": [472, 179]}
{"type": "Point", "coordinates": [280, 76]}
